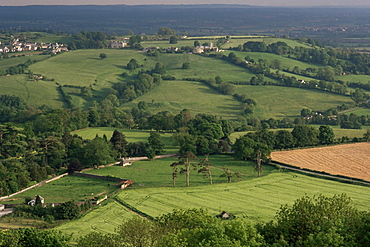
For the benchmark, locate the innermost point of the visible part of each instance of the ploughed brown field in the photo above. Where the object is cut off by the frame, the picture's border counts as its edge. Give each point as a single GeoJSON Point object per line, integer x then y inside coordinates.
{"type": "Point", "coordinates": [351, 160]}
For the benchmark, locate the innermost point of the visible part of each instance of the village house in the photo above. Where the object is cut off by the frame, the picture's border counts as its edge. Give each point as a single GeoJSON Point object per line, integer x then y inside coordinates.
{"type": "Point", "coordinates": [117, 44]}
{"type": "Point", "coordinates": [203, 49]}
{"type": "Point", "coordinates": [17, 46]}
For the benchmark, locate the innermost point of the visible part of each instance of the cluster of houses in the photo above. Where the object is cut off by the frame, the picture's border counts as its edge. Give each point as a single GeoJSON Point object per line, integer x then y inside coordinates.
{"type": "Point", "coordinates": [17, 46]}
{"type": "Point", "coordinates": [204, 49]}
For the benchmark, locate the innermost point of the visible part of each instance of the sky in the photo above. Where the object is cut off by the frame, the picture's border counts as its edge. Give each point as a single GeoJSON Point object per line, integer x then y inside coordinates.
{"type": "Point", "coordinates": [178, 2]}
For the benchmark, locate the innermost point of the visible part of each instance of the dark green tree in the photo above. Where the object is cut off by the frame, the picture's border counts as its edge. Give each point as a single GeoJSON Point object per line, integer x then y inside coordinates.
{"type": "Point", "coordinates": [102, 56]}
{"type": "Point", "coordinates": [97, 152]}
{"type": "Point", "coordinates": [326, 134]}
{"type": "Point", "coordinates": [155, 143]}
{"type": "Point", "coordinates": [305, 135]}
{"type": "Point", "coordinates": [173, 40]}
{"type": "Point", "coordinates": [119, 143]}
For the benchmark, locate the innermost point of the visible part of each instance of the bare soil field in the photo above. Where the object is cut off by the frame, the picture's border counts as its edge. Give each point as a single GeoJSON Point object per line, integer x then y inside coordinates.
{"type": "Point", "coordinates": [351, 160]}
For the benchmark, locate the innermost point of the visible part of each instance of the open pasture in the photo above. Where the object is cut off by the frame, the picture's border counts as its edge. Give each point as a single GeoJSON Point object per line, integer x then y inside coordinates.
{"type": "Point", "coordinates": [65, 189]}
{"type": "Point", "coordinates": [287, 63]}
{"type": "Point", "coordinates": [256, 200]}
{"type": "Point", "coordinates": [158, 173]}
{"type": "Point", "coordinates": [174, 96]}
{"type": "Point", "coordinates": [360, 112]}
{"type": "Point", "coordinates": [36, 93]}
{"type": "Point", "coordinates": [280, 102]}
{"type": "Point", "coordinates": [354, 78]}
{"type": "Point", "coordinates": [132, 135]}
{"type": "Point", "coordinates": [203, 67]}
{"type": "Point", "coordinates": [14, 61]}
{"type": "Point", "coordinates": [351, 160]}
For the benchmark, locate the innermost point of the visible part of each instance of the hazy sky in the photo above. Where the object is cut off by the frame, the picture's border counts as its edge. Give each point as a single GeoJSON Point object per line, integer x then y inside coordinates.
{"type": "Point", "coordinates": [141, 2]}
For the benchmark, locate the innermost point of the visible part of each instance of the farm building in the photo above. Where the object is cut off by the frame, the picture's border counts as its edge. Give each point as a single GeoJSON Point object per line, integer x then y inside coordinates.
{"type": "Point", "coordinates": [33, 201]}
{"type": "Point", "coordinates": [116, 44]}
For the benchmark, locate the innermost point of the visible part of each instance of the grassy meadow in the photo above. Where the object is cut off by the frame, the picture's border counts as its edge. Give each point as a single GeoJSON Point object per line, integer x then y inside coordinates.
{"type": "Point", "coordinates": [132, 135]}
{"type": "Point", "coordinates": [280, 102]}
{"type": "Point", "coordinates": [15, 60]}
{"type": "Point", "coordinates": [158, 173]}
{"type": "Point", "coordinates": [67, 188]}
{"type": "Point", "coordinates": [36, 93]}
{"type": "Point", "coordinates": [174, 96]}
{"type": "Point", "coordinates": [255, 200]}
{"type": "Point", "coordinates": [104, 219]}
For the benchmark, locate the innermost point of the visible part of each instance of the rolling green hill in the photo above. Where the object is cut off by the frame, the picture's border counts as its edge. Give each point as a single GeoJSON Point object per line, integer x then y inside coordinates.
{"type": "Point", "coordinates": [83, 68]}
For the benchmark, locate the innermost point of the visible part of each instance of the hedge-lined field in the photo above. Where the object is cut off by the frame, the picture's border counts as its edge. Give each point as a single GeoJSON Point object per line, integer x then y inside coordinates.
{"type": "Point", "coordinates": [257, 199]}
{"type": "Point", "coordinates": [158, 173]}
{"type": "Point", "coordinates": [280, 102]}
{"type": "Point", "coordinates": [67, 188]}
{"type": "Point", "coordinates": [351, 160]}
{"type": "Point", "coordinates": [174, 96]}
{"type": "Point", "coordinates": [131, 135]}
{"type": "Point", "coordinates": [104, 219]}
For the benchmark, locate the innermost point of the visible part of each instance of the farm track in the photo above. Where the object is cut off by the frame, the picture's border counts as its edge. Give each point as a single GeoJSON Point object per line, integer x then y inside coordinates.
{"type": "Point", "coordinates": [325, 175]}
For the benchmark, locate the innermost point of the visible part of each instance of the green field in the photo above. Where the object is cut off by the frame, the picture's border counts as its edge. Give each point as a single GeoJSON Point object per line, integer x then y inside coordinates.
{"type": "Point", "coordinates": [67, 188]}
{"type": "Point", "coordinates": [174, 96]}
{"type": "Point", "coordinates": [203, 67]}
{"type": "Point", "coordinates": [14, 61]}
{"type": "Point", "coordinates": [255, 200]}
{"type": "Point", "coordinates": [104, 219]}
{"type": "Point", "coordinates": [132, 135]}
{"type": "Point", "coordinates": [158, 173]}
{"type": "Point", "coordinates": [33, 93]}
{"type": "Point", "coordinates": [354, 78]}
{"type": "Point", "coordinates": [360, 112]}
{"type": "Point", "coordinates": [280, 102]}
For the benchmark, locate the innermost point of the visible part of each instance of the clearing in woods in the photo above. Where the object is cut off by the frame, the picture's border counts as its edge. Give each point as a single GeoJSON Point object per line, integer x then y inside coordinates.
{"type": "Point", "coordinates": [351, 160]}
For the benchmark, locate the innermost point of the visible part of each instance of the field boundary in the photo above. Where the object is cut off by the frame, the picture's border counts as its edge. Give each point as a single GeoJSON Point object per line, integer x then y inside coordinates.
{"type": "Point", "coordinates": [34, 186]}
{"type": "Point", "coordinates": [325, 175]}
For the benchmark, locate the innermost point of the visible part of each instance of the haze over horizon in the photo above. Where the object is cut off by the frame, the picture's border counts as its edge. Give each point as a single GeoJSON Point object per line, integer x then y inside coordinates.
{"type": "Point", "coordinates": [301, 3]}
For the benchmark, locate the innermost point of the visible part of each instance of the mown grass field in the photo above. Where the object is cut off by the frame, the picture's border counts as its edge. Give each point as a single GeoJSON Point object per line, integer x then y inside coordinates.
{"type": "Point", "coordinates": [104, 219]}
{"type": "Point", "coordinates": [280, 102]}
{"type": "Point", "coordinates": [65, 189]}
{"type": "Point", "coordinates": [256, 200]}
{"type": "Point", "coordinates": [350, 160]}
{"type": "Point", "coordinates": [158, 173]}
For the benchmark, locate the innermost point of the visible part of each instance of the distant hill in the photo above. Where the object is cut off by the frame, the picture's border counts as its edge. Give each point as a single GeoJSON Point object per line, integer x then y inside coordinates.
{"type": "Point", "coordinates": [193, 19]}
